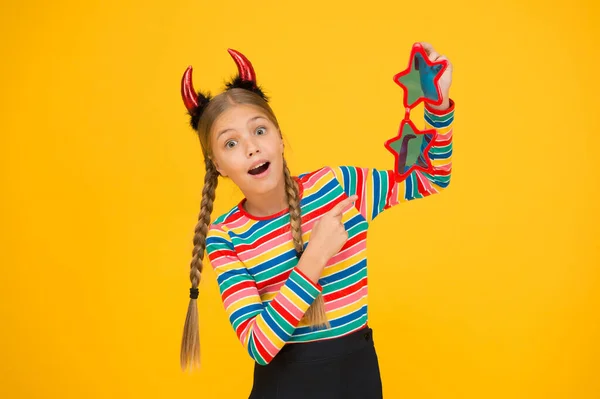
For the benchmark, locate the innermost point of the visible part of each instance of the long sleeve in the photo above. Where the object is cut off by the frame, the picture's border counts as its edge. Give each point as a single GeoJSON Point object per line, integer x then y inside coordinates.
{"type": "Point", "coordinates": [377, 190]}
{"type": "Point", "coordinates": [262, 329]}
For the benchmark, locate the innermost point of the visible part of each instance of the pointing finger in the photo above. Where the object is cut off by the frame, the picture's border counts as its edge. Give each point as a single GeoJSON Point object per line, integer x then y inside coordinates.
{"type": "Point", "coordinates": [343, 205]}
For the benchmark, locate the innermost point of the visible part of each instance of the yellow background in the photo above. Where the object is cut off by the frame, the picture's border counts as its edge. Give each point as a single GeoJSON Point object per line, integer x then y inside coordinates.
{"type": "Point", "coordinates": [491, 290]}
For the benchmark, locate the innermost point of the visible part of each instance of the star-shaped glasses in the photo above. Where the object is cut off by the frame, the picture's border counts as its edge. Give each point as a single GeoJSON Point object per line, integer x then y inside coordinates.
{"type": "Point", "coordinates": [420, 83]}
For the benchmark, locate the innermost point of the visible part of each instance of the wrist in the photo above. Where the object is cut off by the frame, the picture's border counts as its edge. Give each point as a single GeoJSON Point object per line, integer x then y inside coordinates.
{"type": "Point", "coordinates": [311, 264]}
{"type": "Point", "coordinates": [315, 257]}
{"type": "Point", "coordinates": [446, 107]}
{"type": "Point", "coordinates": [442, 107]}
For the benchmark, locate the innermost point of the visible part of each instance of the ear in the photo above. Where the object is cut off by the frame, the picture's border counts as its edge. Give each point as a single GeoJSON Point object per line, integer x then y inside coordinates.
{"type": "Point", "coordinates": [281, 143]}
{"type": "Point", "coordinates": [221, 172]}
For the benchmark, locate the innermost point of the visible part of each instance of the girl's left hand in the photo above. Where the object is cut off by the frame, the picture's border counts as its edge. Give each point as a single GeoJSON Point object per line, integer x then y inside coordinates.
{"type": "Point", "coordinates": [446, 78]}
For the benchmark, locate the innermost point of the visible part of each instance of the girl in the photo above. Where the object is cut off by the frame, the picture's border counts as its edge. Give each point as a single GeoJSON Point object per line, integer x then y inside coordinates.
{"type": "Point", "coordinates": [290, 258]}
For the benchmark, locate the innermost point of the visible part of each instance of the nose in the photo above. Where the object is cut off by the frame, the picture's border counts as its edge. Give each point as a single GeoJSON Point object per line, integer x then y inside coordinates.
{"type": "Point", "coordinates": [252, 148]}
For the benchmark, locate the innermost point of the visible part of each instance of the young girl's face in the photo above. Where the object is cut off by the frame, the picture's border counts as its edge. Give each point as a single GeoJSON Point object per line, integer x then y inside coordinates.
{"type": "Point", "coordinates": [247, 147]}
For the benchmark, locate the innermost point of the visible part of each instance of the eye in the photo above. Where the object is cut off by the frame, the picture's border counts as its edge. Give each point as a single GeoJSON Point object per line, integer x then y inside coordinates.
{"type": "Point", "coordinates": [261, 130]}
{"type": "Point", "coordinates": [230, 144]}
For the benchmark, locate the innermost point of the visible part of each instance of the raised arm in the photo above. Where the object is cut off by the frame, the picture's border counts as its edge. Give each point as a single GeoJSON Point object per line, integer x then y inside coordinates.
{"type": "Point", "coordinates": [377, 189]}
{"type": "Point", "coordinates": [262, 329]}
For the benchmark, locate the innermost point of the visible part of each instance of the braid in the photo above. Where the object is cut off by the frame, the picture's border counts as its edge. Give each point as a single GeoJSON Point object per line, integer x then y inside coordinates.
{"type": "Point", "coordinates": [201, 230]}
{"type": "Point", "coordinates": [190, 344]}
{"type": "Point", "coordinates": [291, 191]}
{"type": "Point", "coordinates": [315, 315]}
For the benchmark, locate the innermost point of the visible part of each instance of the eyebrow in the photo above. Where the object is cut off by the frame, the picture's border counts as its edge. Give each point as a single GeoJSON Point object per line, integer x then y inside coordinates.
{"type": "Point", "coordinates": [249, 120]}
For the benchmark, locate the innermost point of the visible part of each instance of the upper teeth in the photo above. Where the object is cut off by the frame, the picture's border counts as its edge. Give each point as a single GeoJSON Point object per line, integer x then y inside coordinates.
{"type": "Point", "coordinates": [258, 166]}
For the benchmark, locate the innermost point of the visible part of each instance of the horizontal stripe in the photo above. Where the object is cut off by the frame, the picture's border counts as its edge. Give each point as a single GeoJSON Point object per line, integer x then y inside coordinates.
{"type": "Point", "coordinates": [266, 296]}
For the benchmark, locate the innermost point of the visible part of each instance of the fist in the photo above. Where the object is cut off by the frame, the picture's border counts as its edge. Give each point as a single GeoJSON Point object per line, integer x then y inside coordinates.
{"type": "Point", "coordinates": [329, 234]}
{"type": "Point", "coordinates": [445, 80]}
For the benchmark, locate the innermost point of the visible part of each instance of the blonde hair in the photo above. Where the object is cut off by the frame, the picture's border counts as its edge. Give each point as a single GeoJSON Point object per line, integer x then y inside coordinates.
{"type": "Point", "coordinates": [315, 315]}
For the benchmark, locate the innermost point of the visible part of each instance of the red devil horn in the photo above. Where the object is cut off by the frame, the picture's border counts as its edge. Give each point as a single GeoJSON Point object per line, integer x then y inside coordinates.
{"type": "Point", "coordinates": [190, 98]}
{"type": "Point", "coordinates": [244, 66]}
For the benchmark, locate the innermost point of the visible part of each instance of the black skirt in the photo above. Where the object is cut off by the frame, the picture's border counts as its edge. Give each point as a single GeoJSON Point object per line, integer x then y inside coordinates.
{"type": "Point", "coordinates": [340, 368]}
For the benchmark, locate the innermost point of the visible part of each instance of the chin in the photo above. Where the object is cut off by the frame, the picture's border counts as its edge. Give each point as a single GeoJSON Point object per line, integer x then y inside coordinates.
{"type": "Point", "coordinates": [268, 185]}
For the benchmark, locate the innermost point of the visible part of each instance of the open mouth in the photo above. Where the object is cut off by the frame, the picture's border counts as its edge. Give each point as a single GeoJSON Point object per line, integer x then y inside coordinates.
{"type": "Point", "coordinates": [260, 168]}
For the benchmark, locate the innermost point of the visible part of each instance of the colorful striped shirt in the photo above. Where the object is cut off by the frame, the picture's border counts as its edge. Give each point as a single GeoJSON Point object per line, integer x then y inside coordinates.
{"type": "Point", "coordinates": [263, 292]}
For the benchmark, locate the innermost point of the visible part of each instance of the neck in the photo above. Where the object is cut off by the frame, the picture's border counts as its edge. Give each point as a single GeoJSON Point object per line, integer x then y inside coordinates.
{"type": "Point", "coordinates": [269, 203]}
